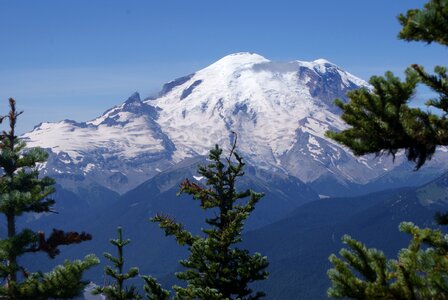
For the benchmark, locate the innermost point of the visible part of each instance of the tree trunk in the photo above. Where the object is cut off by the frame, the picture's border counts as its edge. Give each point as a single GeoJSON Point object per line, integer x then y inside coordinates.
{"type": "Point", "coordinates": [12, 257]}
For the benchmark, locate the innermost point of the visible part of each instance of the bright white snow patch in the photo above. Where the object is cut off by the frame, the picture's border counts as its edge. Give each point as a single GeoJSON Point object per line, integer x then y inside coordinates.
{"type": "Point", "coordinates": [198, 178]}
{"type": "Point", "coordinates": [89, 167]}
{"type": "Point", "coordinates": [314, 146]}
{"type": "Point", "coordinates": [124, 141]}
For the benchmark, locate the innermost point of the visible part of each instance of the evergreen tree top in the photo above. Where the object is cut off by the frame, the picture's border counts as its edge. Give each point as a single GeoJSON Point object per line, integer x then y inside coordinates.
{"type": "Point", "coordinates": [217, 268]}
{"type": "Point", "coordinates": [22, 191]}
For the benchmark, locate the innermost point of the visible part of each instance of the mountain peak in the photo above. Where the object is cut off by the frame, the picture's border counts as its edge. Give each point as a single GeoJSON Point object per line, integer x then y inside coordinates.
{"type": "Point", "coordinates": [240, 58]}
{"type": "Point", "coordinates": [323, 61]}
{"type": "Point", "coordinates": [133, 104]}
{"type": "Point", "coordinates": [243, 53]}
{"type": "Point", "coordinates": [135, 97]}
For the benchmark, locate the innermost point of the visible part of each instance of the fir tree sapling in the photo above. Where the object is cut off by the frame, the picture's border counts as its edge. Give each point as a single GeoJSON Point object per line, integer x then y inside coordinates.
{"type": "Point", "coordinates": [23, 191]}
{"type": "Point", "coordinates": [216, 268]}
{"type": "Point", "coordinates": [119, 290]}
{"type": "Point", "coordinates": [382, 121]}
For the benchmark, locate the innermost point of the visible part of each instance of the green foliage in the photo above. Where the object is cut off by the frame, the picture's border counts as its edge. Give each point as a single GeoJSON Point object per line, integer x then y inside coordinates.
{"type": "Point", "coordinates": [216, 267]}
{"type": "Point", "coordinates": [23, 191]}
{"type": "Point", "coordinates": [382, 121]}
{"type": "Point", "coordinates": [118, 291]}
{"type": "Point", "coordinates": [420, 271]}
{"type": "Point", "coordinates": [64, 282]}
{"type": "Point", "coordinates": [154, 290]}
{"type": "Point", "coordinates": [428, 25]}
{"type": "Point", "coordinates": [371, 264]}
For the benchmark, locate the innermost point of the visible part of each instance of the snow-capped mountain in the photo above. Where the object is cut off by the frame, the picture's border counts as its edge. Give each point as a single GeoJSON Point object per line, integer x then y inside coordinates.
{"type": "Point", "coordinates": [280, 111]}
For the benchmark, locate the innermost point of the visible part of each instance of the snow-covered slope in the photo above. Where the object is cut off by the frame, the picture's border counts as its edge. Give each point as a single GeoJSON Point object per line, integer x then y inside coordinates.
{"type": "Point", "coordinates": [280, 111]}
{"type": "Point", "coordinates": [120, 149]}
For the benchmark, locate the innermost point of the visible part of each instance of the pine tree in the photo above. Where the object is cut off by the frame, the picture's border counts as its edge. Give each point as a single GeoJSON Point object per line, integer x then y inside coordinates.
{"type": "Point", "coordinates": [118, 290]}
{"type": "Point", "coordinates": [22, 191]}
{"type": "Point", "coordinates": [216, 268]}
{"type": "Point", "coordinates": [382, 121]}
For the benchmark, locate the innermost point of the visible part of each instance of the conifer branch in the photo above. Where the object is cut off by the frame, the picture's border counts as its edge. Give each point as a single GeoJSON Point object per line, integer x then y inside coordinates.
{"type": "Point", "coordinates": [58, 238]}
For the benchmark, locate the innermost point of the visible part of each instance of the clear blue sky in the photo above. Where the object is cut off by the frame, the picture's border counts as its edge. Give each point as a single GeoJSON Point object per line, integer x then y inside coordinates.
{"type": "Point", "coordinates": [75, 59]}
